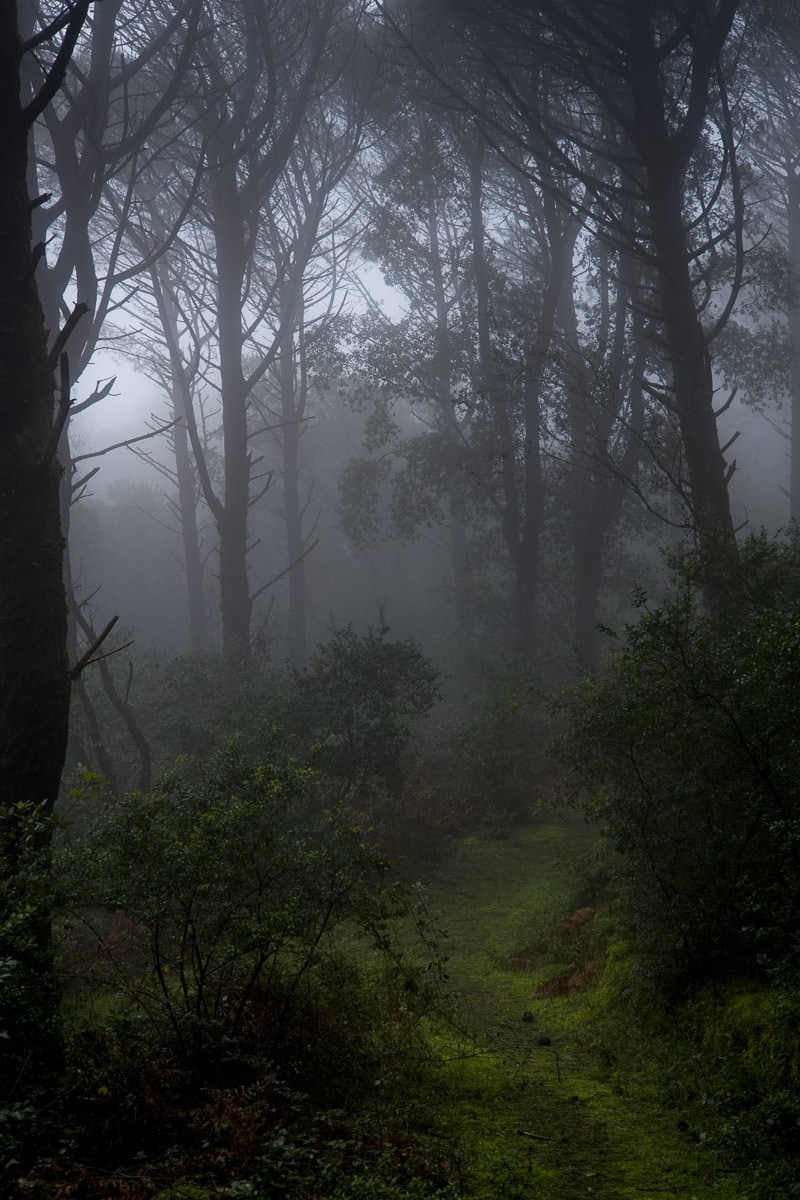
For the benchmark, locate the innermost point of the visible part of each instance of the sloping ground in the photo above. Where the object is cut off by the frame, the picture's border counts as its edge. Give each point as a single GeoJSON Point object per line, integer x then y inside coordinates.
{"type": "Point", "coordinates": [563, 1097]}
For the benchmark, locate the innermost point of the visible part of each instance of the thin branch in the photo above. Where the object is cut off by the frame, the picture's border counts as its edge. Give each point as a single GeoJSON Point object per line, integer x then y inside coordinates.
{"type": "Point", "coordinates": [55, 76]}
{"type": "Point", "coordinates": [88, 656]}
{"type": "Point", "coordinates": [128, 442]}
{"type": "Point", "coordinates": [65, 333]}
{"type": "Point", "coordinates": [282, 574]}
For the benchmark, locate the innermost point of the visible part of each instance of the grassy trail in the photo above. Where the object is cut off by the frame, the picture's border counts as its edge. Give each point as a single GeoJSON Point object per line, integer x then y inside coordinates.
{"type": "Point", "coordinates": [575, 1102]}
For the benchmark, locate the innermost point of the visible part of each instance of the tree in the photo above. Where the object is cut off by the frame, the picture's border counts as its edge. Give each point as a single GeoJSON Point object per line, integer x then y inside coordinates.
{"type": "Point", "coordinates": [309, 230]}
{"type": "Point", "coordinates": [86, 160]}
{"type": "Point", "coordinates": [261, 78]}
{"type": "Point", "coordinates": [647, 101]}
{"type": "Point", "coordinates": [34, 706]}
{"type": "Point", "coordinates": [252, 119]}
{"type": "Point", "coordinates": [519, 392]}
{"type": "Point", "coordinates": [774, 143]}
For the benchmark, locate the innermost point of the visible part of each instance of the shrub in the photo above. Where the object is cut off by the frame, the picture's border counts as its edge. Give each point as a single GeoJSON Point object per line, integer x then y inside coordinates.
{"type": "Point", "coordinates": [30, 1035]}
{"type": "Point", "coordinates": [210, 903]}
{"type": "Point", "coordinates": [688, 749]}
{"type": "Point", "coordinates": [353, 707]}
{"type": "Point", "coordinates": [357, 700]}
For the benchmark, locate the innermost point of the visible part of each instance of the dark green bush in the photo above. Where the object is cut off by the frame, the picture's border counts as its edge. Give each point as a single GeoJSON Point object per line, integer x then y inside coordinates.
{"type": "Point", "coordinates": [688, 749]}
{"type": "Point", "coordinates": [351, 709]}
{"type": "Point", "coordinates": [356, 702]}
{"type": "Point", "coordinates": [210, 906]}
{"type": "Point", "coordinates": [30, 1035]}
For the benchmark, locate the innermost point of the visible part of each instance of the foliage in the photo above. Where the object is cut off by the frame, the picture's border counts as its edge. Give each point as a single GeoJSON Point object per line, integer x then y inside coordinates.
{"type": "Point", "coordinates": [479, 764]}
{"type": "Point", "coordinates": [194, 705]}
{"type": "Point", "coordinates": [357, 700]}
{"type": "Point", "coordinates": [351, 710]}
{"type": "Point", "coordinates": [210, 904]}
{"type": "Point", "coordinates": [501, 740]}
{"type": "Point", "coordinates": [29, 1023]}
{"type": "Point", "coordinates": [688, 752]}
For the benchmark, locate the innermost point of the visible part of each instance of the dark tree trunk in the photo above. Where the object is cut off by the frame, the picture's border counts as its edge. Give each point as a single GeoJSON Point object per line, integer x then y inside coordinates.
{"type": "Point", "coordinates": [793, 214]}
{"type": "Point", "coordinates": [293, 403]}
{"type": "Point", "coordinates": [605, 455]}
{"type": "Point", "coordinates": [508, 502]}
{"type": "Point", "coordinates": [231, 263]}
{"type": "Point", "coordinates": [665, 155]}
{"type": "Point", "coordinates": [34, 672]}
{"type": "Point", "coordinates": [692, 378]}
{"type": "Point", "coordinates": [459, 541]}
{"type": "Point", "coordinates": [199, 635]}
{"type": "Point", "coordinates": [34, 699]}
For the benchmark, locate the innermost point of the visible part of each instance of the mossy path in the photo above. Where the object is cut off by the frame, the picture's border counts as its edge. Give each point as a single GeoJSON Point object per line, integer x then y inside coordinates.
{"type": "Point", "coordinates": [561, 1099]}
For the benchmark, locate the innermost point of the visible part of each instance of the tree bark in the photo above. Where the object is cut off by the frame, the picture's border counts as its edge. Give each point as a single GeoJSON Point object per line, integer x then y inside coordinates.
{"type": "Point", "coordinates": [692, 378]}
{"type": "Point", "coordinates": [293, 404]}
{"type": "Point", "coordinates": [34, 699]}
{"type": "Point", "coordinates": [231, 263]}
{"type": "Point", "coordinates": [793, 221]}
{"type": "Point", "coordinates": [34, 671]}
{"type": "Point", "coordinates": [665, 154]}
{"type": "Point", "coordinates": [199, 634]}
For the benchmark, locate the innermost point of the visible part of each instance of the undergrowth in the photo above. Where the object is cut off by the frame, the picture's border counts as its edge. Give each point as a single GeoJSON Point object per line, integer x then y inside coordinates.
{"type": "Point", "coordinates": [545, 1070]}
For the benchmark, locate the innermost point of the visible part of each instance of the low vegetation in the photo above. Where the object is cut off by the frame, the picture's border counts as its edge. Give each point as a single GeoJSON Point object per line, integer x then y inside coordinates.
{"type": "Point", "coordinates": [257, 1002]}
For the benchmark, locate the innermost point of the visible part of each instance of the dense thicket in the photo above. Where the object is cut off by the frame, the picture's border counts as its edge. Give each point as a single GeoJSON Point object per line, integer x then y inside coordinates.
{"type": "Point", "coordinates": [687, 752]}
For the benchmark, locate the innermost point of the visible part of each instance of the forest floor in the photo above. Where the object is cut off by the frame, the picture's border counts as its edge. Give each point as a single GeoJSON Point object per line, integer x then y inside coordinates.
{"type": "Point", "coordinates": [561, 1094]}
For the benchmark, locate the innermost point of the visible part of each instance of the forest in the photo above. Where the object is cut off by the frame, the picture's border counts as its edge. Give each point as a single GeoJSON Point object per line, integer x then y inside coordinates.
{"type": "Point", "coordinates": [399, 599]}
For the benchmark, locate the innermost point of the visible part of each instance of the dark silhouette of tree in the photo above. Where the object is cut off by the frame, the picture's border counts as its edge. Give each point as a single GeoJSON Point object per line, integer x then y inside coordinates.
{"type": "Point", "coordinates": [520, 415]}
{"type": "Point", "coordinates": [34, 705]}
{"type": "Point", "coordinates": [773, 61]}
{"type": "Point", "coordinates": [86, 157]}
{"type": "Point", "coordinates": [308, 236]}
{"type": "Point", "coordinates": [645, 114]}
{"type": "Point", "coordinates": [258, 73]}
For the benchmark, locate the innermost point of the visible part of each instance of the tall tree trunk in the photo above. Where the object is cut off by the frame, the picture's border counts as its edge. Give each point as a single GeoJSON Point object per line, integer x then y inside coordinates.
{"type": "Point", "coordinates": [692, 380]}
{"type": "Point", "coordinates": [793, 215]}
{"type": "Point", "coordinates": [293, 403]}
{"type": "Point", "coordinates": [602, 475]}
{"type": "Point", "coordinates": [34, 699]}
{"type": "Point", "coordinates": [444, 399]}
{"type": "Point", "coordinates": [508, 504]}
{"type": "Point", "coordinates": [235, 602]}
{"type": "Point", "coordinates": [665, 155]}
{"type": "Point", "coordinates": [34, 696]}
{"type": "Point", "coordinates": [199, 635]}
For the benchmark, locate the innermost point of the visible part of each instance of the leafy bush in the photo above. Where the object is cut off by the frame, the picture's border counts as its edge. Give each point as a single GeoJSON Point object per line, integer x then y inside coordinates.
{"type": "Point", "coordinates": [211, 902]}
{"type": "Point", "coordinates": [737, 1071]}
{"type": "Point", "coordinates": [688, 749]}
{"type": "Point", "coordinates": [501, 740]}
{"type": "Point", "coordinates": [30, 1036]}
{"type": "Point", "coordinates": [357, 700]}
{"type": "Point", "coordinates": [352, 708]}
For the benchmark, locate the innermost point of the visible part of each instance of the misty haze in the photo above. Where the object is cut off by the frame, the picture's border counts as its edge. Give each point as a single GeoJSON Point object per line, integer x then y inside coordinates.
{"type": "Point", "coordinates": [399, 594]}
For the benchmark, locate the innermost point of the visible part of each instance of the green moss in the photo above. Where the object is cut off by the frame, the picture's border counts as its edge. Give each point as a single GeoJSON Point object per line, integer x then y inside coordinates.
{"type": "Point", "coordinates": [523, 1094]}
{"type": "Point", "coordinates": [573, 1102]}
{"type": "Point", "coordinates": [758, 1027]}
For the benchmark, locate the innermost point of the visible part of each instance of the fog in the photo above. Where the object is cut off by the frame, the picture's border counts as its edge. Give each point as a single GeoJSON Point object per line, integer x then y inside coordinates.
{"type": "Point", "coordinates": [399, 593]}
{"type": "Point", "coordinates": [395, 341]}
